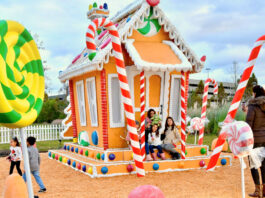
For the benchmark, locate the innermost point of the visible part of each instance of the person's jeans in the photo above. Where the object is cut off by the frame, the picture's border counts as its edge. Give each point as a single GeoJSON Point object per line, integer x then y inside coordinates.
{"type": "Point", "coordinates": [36, 175]}
{"type": "Point", "coordinates": [147, 148]}
{"type": "Point", "coordinates": [169, 147]}
{"type": "Point", "coordinates": [159, 148]}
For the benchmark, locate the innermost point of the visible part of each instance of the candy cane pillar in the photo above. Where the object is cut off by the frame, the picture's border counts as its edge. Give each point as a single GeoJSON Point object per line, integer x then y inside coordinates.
{"type": "Point", "coordinates": [204, 105]}
{"type": "Point", "coordinates": [236, 100]}
{"type": "Point", "coordinates": [124, 86]}
{"type": "Point", "coordinates": [142, 100]}
{"type": "Point", "coordinates": [183, 116]}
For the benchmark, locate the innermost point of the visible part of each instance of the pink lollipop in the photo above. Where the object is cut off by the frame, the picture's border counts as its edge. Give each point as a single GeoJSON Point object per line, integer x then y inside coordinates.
{"type": "Point", "coordinates": [196, 123]}
{"type": "Point", "coordinates": [240, 138]}
{"type": "Point", "coordinates": [146, 191]}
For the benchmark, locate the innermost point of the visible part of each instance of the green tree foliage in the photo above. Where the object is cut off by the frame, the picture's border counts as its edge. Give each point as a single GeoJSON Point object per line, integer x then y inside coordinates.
{"type": "Point", "coordinates": [52, 109]}
{"type": "Point", "coordinates": [196, 95]}
{"type": "Point", "coordinates": [251, 82]}
{"type": "Point", "coordinates": [221, 96]}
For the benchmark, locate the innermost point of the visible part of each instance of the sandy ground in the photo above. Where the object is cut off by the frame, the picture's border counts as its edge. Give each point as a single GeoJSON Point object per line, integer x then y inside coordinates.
{"type": "Point", "coordinates": [63, 181]}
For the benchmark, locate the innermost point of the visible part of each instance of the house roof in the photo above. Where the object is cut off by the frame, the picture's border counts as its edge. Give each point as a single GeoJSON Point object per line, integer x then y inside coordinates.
{"type": "Point", "coordinates": [128, 19]}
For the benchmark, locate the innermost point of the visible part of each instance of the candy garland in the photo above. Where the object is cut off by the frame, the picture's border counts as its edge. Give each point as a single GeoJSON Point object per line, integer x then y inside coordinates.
{"type": "Point", "coordinates": [236, 100]}
{"type": "Point", "coordinates": [142, 100]}
{"type": "Point", "coordinates": [183, 116]}
{"type": "Point", "coordinates": [124, 86]}
{"type": "Point", "coordinates": [21, 77]}
{"type": "Point", "coordinates": [204, 104]}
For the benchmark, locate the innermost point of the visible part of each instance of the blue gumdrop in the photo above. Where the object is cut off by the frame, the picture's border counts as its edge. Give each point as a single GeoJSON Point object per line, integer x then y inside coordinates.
{"type": "Point", "coordinates": [69, 162]}
{"type": "Point", "coordinates": [72, 149]}
{"type": "Point", "coordinates": [68, 148]}
{"type": "Point", "coordinates": [104, 170]}
{"type": "Point", "coordinates": [105, 6]}
{"type": "Point", "coordinates": [76, 150]}
{"type": "Point", "coordinates": [128, 19]}
{"type": "Point", "coordinates": [155, 166]}
{"type": "Point", "coordinates": [94, 136]}
{"type": "Point", "coordinates": [85, 54]}
{"type": "Point", "coordinates": [111, 156]}
{"type": "Point", "coordinates": [103, 156]}
{"type": "Point", "coordinates": [84, 168]}
{"type": "Point", "coordinates": [64, 147]}
{"type": "Point", "coordinates": [223, 161]}
{"type": "Point", "coordinates": [50, 154]}
{"type": "Point", "coordinates": [74, 164]}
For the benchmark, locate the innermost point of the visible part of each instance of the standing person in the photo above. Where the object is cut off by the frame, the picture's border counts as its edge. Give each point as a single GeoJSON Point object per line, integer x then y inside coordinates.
{"type": "Point", "coordinates": [15, 156]}
{"type": "Point", "coordinates": [170, 138]}
{"type": "Point", "coordinates": [34, 163]}
{"type": "Point", "coordinates": [148, 129]}
{"type": "Point", "coordinates": [154, 139]}
{"type": "Point", "coordinates": [256, 120]}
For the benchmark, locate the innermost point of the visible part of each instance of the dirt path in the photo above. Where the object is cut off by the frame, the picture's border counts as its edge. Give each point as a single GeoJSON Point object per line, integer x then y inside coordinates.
{"type": "Point", "coordinates": [64, 182]}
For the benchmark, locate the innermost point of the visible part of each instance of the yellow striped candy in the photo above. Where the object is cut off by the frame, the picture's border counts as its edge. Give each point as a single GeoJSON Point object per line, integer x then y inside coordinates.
{"type": "Point", "coordinates": [21, 77]}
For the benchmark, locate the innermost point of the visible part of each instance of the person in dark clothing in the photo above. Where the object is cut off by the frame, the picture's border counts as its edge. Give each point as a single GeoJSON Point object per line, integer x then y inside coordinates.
{"type": "Point", "coordinates": [256, 119]}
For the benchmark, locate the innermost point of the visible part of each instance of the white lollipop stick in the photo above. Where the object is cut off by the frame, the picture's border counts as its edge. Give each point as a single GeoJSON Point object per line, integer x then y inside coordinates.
{"type": "Point", "coordinates": [243, 166]}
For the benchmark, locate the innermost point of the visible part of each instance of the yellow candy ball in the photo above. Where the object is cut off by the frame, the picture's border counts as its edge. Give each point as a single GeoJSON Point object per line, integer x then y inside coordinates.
{"type": "Point", "coordinates": [64, 160]}
{"type": "Point", "coordinates": [90, 170]}
{"type": "Point", "coordinates": [132, 155]}
{"type": "Point", "coordinates": [90, 7]}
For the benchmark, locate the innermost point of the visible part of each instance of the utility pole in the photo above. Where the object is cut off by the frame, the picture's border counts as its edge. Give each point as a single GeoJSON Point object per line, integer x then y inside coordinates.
{"type": "Point", "coordinates": [208, 70]}
{"type": "Point", "coordinates": [235, 73]}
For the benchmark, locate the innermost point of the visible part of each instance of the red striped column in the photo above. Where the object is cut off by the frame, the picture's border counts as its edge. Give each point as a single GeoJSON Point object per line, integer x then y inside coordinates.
{"type": "Point", "coordinates": [124, 86]}
{"type": "Point", "coordinates": [72, 101]}
{"type": "Point", "coordinates": [183, 116]}
{"type": "Point", "coordinates": [204, 105]}
{"type": "Point", "coordinates": [104, 108]}
{"type": "Point", "coordinates": [142, 100]}
{"type": "Point", "coordinates": [236, 100]}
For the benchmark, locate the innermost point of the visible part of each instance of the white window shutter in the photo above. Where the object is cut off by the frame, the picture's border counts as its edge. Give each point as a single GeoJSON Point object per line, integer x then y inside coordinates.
{"type": "Point", "coordinates": [92, 101]}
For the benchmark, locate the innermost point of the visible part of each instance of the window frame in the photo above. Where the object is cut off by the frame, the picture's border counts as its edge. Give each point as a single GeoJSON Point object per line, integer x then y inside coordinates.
{"type": "Point", "coordinates": [83, 105]}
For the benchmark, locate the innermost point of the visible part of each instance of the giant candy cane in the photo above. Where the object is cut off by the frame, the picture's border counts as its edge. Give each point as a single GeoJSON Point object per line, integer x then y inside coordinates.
{"type": "Point", "coordinates": [236, 100]}
{"type": "Point", "coordinates": [142, 100]}
{"type": "Point", "coordinates": [125, 91]}
{"type": "Point", "coordinates": [183, 115]}
{"type": "Point", "coordinates": [204, 104]}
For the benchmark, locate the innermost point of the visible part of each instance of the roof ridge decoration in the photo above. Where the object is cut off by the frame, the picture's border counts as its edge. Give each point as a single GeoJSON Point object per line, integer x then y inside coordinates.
{"type": "Point", "coordinates": [125, 29]}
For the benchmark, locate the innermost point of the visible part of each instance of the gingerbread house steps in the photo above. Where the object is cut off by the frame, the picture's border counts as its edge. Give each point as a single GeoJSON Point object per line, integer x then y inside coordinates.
{"type": "Point", "coordinates": [97, 162]}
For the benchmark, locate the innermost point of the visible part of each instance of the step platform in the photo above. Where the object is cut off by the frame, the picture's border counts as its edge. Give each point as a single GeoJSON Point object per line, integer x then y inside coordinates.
{"type": "Point", "coordinates": [96, 162]}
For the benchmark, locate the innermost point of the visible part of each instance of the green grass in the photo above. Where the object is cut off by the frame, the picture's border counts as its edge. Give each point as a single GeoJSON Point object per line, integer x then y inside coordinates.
{"type": "Point", "coordinates": [207, 140]}
{"type": "Point", "coordinates": [43, 146]}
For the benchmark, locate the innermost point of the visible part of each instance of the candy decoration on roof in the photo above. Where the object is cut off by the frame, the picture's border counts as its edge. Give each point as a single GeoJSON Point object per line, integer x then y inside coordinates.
{"type": "Point", "coordinates": [150, 26]}
{"type": "Point", "coordinates": [124, 86]}
{"type": "Point", "coordinates": [21, 76]}
{"type": "Point", "coordinates": [236, 100]}
{"type": "Point", "coordinates": [153, 2]}
{"type": "Point", "coordinates": [204, 104]}
{"type": "Point", "coordinates": [95, 5]}
{"type": "Point", "coordinates": [90, 7]}
{"type": "Point", "coordinates": [100, 7]}
{"type": "Point", "coordinates": [105, 6]}
{"type": "Point", "coordinates": [76, 58]}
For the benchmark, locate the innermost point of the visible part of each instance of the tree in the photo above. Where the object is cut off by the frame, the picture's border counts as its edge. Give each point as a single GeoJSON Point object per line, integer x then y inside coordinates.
{"type": "Point", "coordinates": [251, 82]}
{"type": "Point", "coordinates": [221, 96]}
{"type": "Point", "coordinates": [200, 88]}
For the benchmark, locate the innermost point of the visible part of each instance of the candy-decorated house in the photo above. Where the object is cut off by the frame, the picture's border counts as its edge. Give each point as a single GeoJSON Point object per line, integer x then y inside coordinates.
{"type": "Point", "coordinates": [151, 45]}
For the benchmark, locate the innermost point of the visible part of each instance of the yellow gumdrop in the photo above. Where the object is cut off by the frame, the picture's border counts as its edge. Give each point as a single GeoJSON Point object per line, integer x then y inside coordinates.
{"type": "Point", "coordinates": [90, 6]}
{"type": "Point", "coordinates": [132, 155]}
{"type": "Point", "coordinates": [90, 170]}
{"type": "Point", "coordinates": [64, 160]}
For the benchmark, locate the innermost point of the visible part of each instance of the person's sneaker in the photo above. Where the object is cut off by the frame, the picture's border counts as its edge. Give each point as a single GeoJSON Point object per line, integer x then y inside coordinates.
{"type": "Point", "coordinates": [42, 190]}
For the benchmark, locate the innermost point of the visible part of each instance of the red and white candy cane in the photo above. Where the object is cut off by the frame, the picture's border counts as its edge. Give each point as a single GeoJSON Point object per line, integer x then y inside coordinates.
{"type": "Point", "coordinates": [142, 100]}
{"type": "Point", "coordinates": [183, 116]}
{"type": "Point", "coordinates": [236, 100]}
{"type": "Point", "coordinates": [204, 104]}
{"type": "Point", "coordinates": [124, 86]}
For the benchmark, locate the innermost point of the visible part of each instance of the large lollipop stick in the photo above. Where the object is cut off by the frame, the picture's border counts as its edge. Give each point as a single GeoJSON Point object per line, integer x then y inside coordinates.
{"type": "Point", "coordinates": [236, 100]}
{"type": "Point", "coordinates": [124, 86]}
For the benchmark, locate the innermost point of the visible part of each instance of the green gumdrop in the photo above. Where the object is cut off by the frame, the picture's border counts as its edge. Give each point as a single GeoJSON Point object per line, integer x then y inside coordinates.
{"type": "Point", "coordinates": [60, 158]}
{"type": "Point", "coordinates": [84, 143]}
{"type": "Point", "coordinates": [98, 156]}
{"type": "Point", "coordinates": [186, 152]}
{"type": "Point", "coordinates": [95, 5]}
{"type": "Point", "coordinates": [92, 55]}
{"type": "Point", "coordinates": [203, 151]}
{"type": "Point", "coordinates": [53, 156]}
{"type": "Point", "coordinates": [86, 153]}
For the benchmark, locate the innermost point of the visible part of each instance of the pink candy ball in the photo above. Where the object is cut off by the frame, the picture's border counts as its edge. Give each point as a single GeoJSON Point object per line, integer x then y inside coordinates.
{"type": "Point", "coordinates": [202, 163]}
{"type": "Point", "coordinates": [153, 2]}
{"type": "Point", "coordinates": [146, 191]}
{"type": "Point", "coordinates": [130, 168]}
{"type": "Point", "coordinates": [81, 151]}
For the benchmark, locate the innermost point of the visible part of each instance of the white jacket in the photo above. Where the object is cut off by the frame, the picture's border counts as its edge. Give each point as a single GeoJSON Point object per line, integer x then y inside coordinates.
{"type": "Point", "coordinates": [153, 139]}
{"type": "Point", "coordinates": [15, 153]}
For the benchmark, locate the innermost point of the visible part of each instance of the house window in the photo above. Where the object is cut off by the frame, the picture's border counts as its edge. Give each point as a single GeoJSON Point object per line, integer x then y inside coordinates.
{"type": "Point", "coordinates": [115, 103]}
{"type": "Point", "coordinates": [92, 100]}
{"type": "Point", "coordinates": [175, 98]}
{"type": "Point", "coordinates": [81, 102]}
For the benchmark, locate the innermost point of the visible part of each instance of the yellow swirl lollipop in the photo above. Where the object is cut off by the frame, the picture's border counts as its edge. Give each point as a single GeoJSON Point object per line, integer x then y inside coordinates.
{"type": "Point", "coordinates": [21, 77]}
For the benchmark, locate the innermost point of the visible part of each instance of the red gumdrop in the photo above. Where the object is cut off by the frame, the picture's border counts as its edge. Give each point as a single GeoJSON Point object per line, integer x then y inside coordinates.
{"type": "Point", "coordinates": [130, 168]}
{"type": "Point", "coordinates": [153, 2]}
{"type": "Point", "coordinates": [79, 166]}
{"type": "Point", "coordinates": [56, 157]}
{"type": "Point", "coordinates": [203, 58]}
{"type": "Point", "coordinates": [202, 163]}
{"type": "Point", "coordinates": [100, 7]}
{"type": "Point", "coordinates": [146, 191]}
{"type": "Point", "coordinates": [81, 151]}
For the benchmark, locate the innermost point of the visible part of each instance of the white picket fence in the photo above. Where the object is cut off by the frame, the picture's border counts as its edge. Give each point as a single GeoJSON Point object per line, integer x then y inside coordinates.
{"type": "Point", "coordinates": [42, 132]}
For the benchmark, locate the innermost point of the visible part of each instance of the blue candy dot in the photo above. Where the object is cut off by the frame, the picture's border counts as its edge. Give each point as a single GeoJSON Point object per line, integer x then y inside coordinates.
{"type": "Point", "coordinates": [69, 162]}
{"type": "Point", "coordinates": [74, 164]}
{"type": "Point", "coordinates": [68, 148]}
{"type": "Point", "coordinates": [84, 168]}
{"type": "Point", "coordinates": [128, 19]}
{"type": "Point", "coordinates": [111, 156]}
{"type": "Point", "coordinates": [223, 161]}
{"type": "Point", "coordinates": [76, 150]}
{"type": "Point", "coordinates": [95, 138]}
{"type": "Point", "coordinates": [50, 154]}
{"type": "Point", "coordinates": [155, 166]}
{"type": "Point", "coordinates": [103, 156]}
{"type": "Point", "coordinates": [104, 170]}
{"type": "Point", "coordinates": [85, 54]}
{"type": "Point", "coordinates": [64, 147]}
{"type": "Point", "coordinates": [72, 149]}
{"type": "Point", "coordinates": [105, 6]}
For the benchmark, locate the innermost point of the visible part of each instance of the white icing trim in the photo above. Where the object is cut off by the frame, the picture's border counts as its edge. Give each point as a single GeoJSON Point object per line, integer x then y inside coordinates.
{"type": "Point", "coordinates": [144, 65]}
{"type": "Point", "coordinates": [68, 112]}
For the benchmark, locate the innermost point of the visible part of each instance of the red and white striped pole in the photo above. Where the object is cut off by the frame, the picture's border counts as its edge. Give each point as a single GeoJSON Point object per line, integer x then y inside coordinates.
{"type": "Point", "coordinates": [124, 86]}
{"type": "Point", "coordinates": [183, 116]}
{"type": "Point", "coordinates": [236, 100]}
{"type": "Point", "coordinates": [142, 100]}
{"type": "Point", "coordinates": [204, 104]}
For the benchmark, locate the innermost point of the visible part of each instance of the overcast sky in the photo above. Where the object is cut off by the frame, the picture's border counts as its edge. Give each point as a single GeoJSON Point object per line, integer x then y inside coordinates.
{"type": "Point", "coordinates": [224, 31]}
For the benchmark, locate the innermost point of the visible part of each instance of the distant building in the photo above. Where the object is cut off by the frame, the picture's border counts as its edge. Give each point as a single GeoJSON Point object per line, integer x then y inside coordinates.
{"type": "Point", "coordinates": [59, 96]}
{"type": "Point", "coordinates": [229, 88]}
